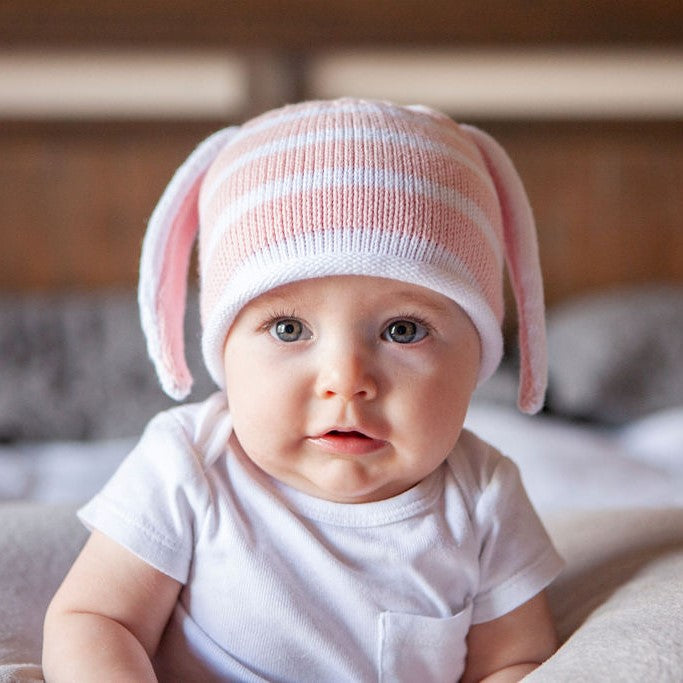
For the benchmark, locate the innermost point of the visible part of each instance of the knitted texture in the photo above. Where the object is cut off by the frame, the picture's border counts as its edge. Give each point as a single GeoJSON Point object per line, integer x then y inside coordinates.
{"type": "Point", "coordinates": [339, 188]}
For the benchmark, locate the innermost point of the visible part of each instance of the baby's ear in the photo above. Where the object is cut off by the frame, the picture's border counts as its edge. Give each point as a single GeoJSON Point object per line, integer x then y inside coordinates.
{"type": "Point", "coordinates": [165, 262]}
{"type": "Point", "coordinates": [524, 269]}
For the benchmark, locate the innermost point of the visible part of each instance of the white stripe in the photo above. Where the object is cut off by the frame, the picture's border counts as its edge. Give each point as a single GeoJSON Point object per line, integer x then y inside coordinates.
{"type": "Point", "coordinates": [345, 134]}
{"type": "Point", "coordinates": [341, 246]}
{"type": "Point", "coordinates": [288, 115]}
{"type": "Point", "coordinates": [353, 177]}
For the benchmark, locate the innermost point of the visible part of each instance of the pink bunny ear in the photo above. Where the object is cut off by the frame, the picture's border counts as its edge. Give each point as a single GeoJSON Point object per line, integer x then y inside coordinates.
{"type": "Point", "coordinates": [164, 266]}
{"type": "Point", "coordinates": [521, 255]}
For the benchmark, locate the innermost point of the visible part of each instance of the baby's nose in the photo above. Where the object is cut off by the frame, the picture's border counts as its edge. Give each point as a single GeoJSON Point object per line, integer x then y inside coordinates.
{"type": "Point", "coordinates": [347, 372]}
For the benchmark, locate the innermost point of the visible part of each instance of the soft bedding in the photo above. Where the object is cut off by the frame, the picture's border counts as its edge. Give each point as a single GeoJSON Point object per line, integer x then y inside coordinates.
{"type": "Point", "coordinates": [617, 605]}
{"type": "Point", "coordinates": [582, 466]}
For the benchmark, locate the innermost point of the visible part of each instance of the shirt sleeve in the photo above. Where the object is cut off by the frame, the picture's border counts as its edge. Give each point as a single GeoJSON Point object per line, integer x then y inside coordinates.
{"type": "Point", "coordinates": [151, 503]}
{"type": "Point", "coordinates": [517, 557]}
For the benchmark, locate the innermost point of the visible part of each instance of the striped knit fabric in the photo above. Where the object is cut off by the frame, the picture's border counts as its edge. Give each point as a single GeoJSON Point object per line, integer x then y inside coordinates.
{"type": "Point", "coordinates": [337, 188]}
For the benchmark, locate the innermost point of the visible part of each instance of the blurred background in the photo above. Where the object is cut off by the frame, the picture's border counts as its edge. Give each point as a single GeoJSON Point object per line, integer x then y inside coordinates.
{"type": "Point", "coordinates": [101, 100]}
{"type": "Point", "coordinates": [100, 103]}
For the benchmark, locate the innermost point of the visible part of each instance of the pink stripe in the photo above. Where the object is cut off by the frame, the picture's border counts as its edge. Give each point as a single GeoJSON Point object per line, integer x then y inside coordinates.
{"type": "Point", "coordinates": [293, 205]}
{"type": "Point", "coordinates": [447, 133]}
{"type": "Point", "coordinates": [336, 208]}
{"type": "Point", "coordinates": [430, 165]}
{"type": "Point", "coordinates": [359, 146]}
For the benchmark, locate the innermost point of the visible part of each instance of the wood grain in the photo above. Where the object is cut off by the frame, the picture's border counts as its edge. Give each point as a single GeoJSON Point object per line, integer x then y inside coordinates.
{"type": "Point", "coordinates": [313, 24]}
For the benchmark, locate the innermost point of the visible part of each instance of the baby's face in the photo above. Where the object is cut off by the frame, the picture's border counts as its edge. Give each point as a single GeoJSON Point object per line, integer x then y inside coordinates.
{"type": "Point", "coordinates": [350, 388]}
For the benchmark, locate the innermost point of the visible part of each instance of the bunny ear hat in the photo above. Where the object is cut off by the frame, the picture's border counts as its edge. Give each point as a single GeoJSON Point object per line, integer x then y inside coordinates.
{"type": "Point", "coordinates": [343, 187]}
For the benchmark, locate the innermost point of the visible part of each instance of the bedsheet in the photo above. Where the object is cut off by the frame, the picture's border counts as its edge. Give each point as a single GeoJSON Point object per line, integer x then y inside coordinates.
{"type": "Point", "coordinates": [582, 466]}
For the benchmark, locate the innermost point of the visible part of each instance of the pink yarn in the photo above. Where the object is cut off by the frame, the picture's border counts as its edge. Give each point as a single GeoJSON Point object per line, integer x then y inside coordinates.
{"type": "Point", "coordinates": [344, 187]}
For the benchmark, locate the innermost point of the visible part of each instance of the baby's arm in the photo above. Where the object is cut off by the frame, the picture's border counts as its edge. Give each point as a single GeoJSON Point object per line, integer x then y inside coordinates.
{"type": "Point", "coordinates": [508, 648]}
{"type": "Point", "coordinates": [106, 620]}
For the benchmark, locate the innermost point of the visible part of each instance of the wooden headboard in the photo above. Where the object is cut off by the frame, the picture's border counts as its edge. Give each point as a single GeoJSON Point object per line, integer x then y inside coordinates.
{"type": "Point", "coordinates": [76, 192]}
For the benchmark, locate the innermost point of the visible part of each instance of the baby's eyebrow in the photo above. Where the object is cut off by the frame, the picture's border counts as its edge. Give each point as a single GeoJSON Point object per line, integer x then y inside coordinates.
{"type": "Point", "coordinates": [274, 297]}
{"type": "Point", "coordinates": [270, 300]}
{"type": "Point", "coordinates": [412, 298]}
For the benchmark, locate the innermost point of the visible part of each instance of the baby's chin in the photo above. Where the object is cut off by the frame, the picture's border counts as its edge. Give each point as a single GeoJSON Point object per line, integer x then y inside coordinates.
{"type": "Point", "coordinates": [350, 487]}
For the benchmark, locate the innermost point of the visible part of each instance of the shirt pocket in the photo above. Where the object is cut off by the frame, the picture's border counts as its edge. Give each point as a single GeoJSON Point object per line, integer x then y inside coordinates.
{"type": "Point", "coordinates": [425, 649]}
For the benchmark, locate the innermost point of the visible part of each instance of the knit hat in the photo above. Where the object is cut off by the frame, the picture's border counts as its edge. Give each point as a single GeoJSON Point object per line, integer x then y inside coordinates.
{"type": "Point", "coordinates": [343, 187]}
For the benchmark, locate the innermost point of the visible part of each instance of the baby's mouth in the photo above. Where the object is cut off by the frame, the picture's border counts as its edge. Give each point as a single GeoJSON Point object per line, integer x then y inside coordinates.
{"type": "Point", "coordinates": [349, 442]}
{"type": "Point", "coordinates": [354, 434]}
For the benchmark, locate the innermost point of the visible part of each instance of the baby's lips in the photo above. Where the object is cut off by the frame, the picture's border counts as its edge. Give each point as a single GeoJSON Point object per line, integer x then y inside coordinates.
{"type": "Point", "coordinates": [347, 442]}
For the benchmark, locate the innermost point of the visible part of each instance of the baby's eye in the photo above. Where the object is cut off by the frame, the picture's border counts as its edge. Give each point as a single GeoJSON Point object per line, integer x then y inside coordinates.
{"type": "Point", "coordinates": [405, 332]}
{"type": "Point", "coordinates": [289, 330]}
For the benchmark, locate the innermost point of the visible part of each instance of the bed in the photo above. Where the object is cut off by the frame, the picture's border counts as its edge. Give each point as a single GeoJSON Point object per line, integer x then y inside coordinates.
{"type": "Point", "coordinates": [604, 470]}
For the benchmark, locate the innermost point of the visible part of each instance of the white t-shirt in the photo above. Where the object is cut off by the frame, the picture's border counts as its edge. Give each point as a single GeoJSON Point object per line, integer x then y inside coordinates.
{"type": "Point", "coordinates": [282, 586]}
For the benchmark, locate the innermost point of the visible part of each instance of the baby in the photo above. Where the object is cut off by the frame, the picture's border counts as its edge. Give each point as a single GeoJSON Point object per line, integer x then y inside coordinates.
{"type": "Point", "coordinates": [324, 516]}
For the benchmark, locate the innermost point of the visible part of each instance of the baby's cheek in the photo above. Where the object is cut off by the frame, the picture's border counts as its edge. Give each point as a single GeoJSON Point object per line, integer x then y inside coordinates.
{"type": "Point", "coordinates": [256, 421]}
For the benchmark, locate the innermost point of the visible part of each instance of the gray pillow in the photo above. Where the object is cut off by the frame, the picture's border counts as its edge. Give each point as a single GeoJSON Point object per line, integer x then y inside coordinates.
{"type": "Point", "coordinates": [74, 366]}
{"type": "Point", "coordinates": [617, 356]}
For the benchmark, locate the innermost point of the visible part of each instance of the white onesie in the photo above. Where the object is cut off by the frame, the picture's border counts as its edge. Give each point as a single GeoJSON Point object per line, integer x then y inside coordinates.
{"type": "Point", "coordinates": [281, 586]}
